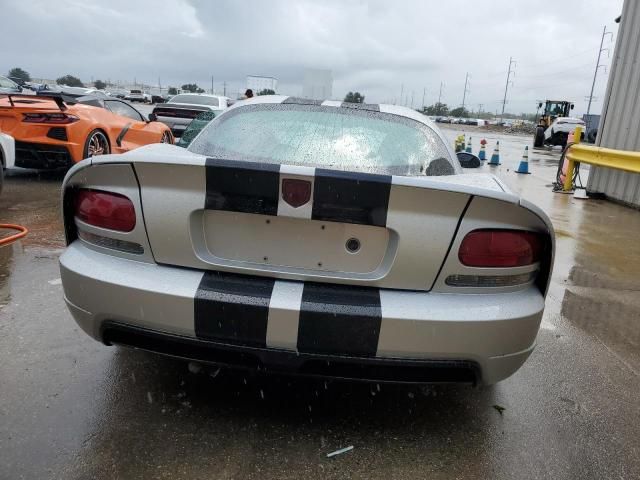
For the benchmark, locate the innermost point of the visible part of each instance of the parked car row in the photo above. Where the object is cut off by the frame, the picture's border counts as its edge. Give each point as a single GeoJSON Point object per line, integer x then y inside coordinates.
{"type": "Point", "coordinates": [461, 121]}
{"type": "Point", "coordinates": [135, 95]}
{"type": "Point", "coordinates": [58, 129]}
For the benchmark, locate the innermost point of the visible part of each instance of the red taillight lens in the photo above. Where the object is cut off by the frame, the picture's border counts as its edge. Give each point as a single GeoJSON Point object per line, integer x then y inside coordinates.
{"type": "Point", "coordinates": [105, 210]}
{"type": "Point", "coordinates": [50, 118]}
{"type": "Point", "coordinates": [500, 248]}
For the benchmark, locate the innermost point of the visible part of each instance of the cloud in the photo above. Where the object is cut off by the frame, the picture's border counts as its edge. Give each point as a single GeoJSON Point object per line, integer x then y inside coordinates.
{"type": "Point", "coordinates": [377, 47]}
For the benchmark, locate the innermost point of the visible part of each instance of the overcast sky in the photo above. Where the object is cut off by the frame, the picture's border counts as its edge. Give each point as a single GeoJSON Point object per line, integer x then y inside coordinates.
{"type": "Point", "coordinates": [375, 47]}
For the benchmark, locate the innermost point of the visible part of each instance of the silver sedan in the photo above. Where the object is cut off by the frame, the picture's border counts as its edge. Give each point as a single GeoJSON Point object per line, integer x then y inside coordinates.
{"type": "Point", "coordinates": [320, 238]}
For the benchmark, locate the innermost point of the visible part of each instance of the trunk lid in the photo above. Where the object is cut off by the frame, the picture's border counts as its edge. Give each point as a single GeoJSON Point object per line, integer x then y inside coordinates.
{"type": "Point", "coordinates": [355, 228]}
{"type": "Point", "coordinates": [168, 110]}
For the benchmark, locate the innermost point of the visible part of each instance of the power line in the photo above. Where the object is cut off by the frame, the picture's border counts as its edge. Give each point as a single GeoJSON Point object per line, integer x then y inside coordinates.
{"type": "Point", "coordinates": [545, 85]}
{"type": "Point", "coordinates": [526, 66]}
{"type": "Point", "coordinates": [564, 58]}
{"type": "Point", "coordinates": [559, 72]}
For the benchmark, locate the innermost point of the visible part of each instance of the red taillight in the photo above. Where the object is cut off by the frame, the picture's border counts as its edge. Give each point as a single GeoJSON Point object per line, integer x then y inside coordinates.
{"type": "Point", "coordinates": [105, 210]}
{"type": "Point", "coordinates": [50, 118]}
{"type": "Point", "coordinates": [500, 248]}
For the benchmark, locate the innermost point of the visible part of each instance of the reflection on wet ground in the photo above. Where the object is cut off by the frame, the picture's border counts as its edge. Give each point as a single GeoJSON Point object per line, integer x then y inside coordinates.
{"type": "Point", "coordinates": [72, 408]}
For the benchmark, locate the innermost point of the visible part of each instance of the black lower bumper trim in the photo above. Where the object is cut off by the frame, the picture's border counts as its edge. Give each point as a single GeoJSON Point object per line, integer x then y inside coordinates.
{"type": "Point", "coordinates": [42, 156]}
{"type": "Point", "coordinates": [285, 362]}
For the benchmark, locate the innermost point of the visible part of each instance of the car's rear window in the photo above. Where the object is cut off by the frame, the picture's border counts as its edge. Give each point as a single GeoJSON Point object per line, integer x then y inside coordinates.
{"type": "Point", "coordinates": [196, 100]}
{"type": "Point", "coordinates": [328, 137]}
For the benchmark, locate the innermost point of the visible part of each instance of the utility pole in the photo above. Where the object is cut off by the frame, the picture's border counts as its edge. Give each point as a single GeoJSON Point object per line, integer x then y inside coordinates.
{"type": "Point", "coordinates": [440, 94]}
{"type": "Point", "coordinates": [224, 86]}
{"type": "Point", "coordinates": [604, 33]}
{"type": "Point", "coordinates": [506, 86]}
{"type": "Point", "coordinates": [480, 108]}
{"type": "Point", "coordinates": [211, 84]}
{"type": "Point", "coordinates": [464, 94]}
{"type": "Point", "coordinates": [424, 92]}
{"type": "Point", "coordinates": [412, 99]}
{"type": "Point", "coordinates": [401, 93]}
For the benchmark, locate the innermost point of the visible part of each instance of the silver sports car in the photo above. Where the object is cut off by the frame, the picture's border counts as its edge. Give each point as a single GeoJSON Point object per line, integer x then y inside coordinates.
{"type": "Point", "coordinates": [309, 237]}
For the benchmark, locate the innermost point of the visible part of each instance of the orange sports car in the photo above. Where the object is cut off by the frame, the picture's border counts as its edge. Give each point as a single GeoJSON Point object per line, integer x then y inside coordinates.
{"type": "Point", "coordinates": [58, 131]}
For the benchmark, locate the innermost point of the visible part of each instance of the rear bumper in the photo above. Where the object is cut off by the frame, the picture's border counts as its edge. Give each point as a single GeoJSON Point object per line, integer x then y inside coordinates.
{"type": "Point", "coordinates": [422, 337]}
{"type": "Point", "coordinates": [42, 155]}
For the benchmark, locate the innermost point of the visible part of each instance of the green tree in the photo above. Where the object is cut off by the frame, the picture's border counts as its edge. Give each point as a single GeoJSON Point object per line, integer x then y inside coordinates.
{"type": "Point", "coordinates": [99, 84]}
{"type": "Point", "coordinates": [19, 75]}
{"type": "Point", "coordinates": [70, 81]}
{"type": "Point", "coordinates": [459, 112]}
{"type": "Point", "coordinates": [354, 97]}
{"type": "Point", "coordinates": [437, 109]}
{"type": "Point", "coordinates": [192, 88]}
{"type": "Point", "coordinates": [266, 91]}
{"type": "Point", "coordinates": [172, 91]}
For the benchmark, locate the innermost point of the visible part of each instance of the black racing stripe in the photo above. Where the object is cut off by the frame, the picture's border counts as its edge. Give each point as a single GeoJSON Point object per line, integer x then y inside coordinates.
{"type": "Point", "coordinates": [233, 308]}
{"type": "Point", "coordinates": [372, 107]}
{"type": "Point", "coordinates": [351, 197]}
{"type": "Point", "coordinates": [339, 320]}
{"type": "Point", "coordinates": [247, 187]}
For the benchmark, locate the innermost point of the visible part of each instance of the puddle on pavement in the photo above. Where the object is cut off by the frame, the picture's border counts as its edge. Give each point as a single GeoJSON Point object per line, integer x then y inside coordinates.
{"type": "Point", "coordinates": [602, 290]}
{"type": "Point", "coordinates": [6, 260]}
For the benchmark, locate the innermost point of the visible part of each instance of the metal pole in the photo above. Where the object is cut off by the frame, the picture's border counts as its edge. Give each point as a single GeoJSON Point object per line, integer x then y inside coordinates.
{"type": "Point", "coordinates": [401, 93]}
{"type": "Point", "coordinates": [440, 94]}
{"type": "Point", "coordinates": [604, 32]}
{"type": "Point", "coordinates": [211, 84]}
{"type": "Point", "coordinates": [424, 92]}
{"type": "Point", "coordinates": [411, 98]}
{"type": "Point", "coordinates": [506, 87]}
{"type": "Point", "coordinates": [464, 94]}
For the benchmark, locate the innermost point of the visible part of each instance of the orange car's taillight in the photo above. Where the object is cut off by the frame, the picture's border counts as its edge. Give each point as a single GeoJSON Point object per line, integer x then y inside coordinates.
{"type": "Point", "coordinates": [49, 118]}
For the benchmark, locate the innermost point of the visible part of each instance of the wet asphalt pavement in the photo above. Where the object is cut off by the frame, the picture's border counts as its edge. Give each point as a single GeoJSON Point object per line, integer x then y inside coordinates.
{"type": "Point", "coordinates": [71, 408]}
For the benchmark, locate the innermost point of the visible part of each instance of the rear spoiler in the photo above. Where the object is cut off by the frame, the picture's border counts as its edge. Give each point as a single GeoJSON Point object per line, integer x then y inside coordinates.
{"type": "Point", "coordinates": [61, 99]}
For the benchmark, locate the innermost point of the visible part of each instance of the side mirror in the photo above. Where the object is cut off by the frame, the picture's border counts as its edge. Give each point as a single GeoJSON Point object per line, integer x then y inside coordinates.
{"type": "Point", "coordinates": [468, 160]}
{"type": "Point", "coordinates": [153, 117]}
{"type": "Point", "coordinates": [572, 106]}
{"type": "Point", "coordinates": [540, 105]}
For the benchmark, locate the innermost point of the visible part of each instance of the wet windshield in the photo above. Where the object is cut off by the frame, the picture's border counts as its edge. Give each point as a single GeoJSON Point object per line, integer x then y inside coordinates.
{"type": "Point", "coordinates": [329, 137]}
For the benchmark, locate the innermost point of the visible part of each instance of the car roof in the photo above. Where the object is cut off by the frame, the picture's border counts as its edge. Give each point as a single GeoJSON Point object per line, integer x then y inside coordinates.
{"type": "Point", "coordinates": [373, 107]}
{"type": "Point", "coordinates": [200, 95]}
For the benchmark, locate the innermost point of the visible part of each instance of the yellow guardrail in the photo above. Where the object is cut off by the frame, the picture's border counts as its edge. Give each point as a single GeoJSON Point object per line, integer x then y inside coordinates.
{"type": "Point", "coordinates": [599, 156]}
